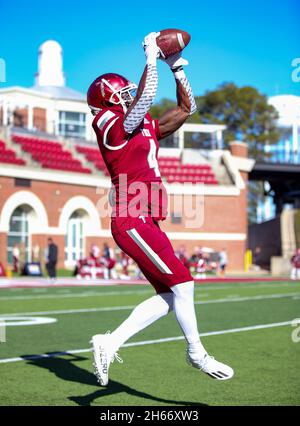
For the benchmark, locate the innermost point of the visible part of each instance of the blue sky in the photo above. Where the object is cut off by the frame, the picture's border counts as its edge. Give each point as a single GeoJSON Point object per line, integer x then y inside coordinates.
{"type": "Point", "coordinates": [249, 43]}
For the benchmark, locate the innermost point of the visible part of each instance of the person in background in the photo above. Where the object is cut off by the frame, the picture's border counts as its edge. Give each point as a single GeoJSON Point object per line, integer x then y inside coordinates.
{"type": "Point", "coordinates": [181, 254]}
{"type": "Point", "coordinates": [51, 260]}
{"type": "Point", "coordinates": [125, 263]}
{"type": "Point", "coordinates": [16, 258]}
{"type": "Point", "coordinates": [295, 261]}
{"type": "Point", "coordinates": [201, 267]}
{"type": "Point", "coordinates": [93, 261]}
{"type": "Point", "coordinates": [256, 257]}
{"type": "Point", "coordinates": [109, 261]}
{"type": "Point", "coordinates": [223, 261]}
{"type": "Point", "coordinates": [22, 257]}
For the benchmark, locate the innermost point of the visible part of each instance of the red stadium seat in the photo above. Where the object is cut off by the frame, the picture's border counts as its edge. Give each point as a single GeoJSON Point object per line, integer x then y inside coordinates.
{"type": "Point", "coordinates": [174, 171]}
{"type": "Point", "coordinates": [94, 156]}
{"type": "Point", "coordinates": [50, 154]}
{"type": "Point", "coordinates": [8, 156]}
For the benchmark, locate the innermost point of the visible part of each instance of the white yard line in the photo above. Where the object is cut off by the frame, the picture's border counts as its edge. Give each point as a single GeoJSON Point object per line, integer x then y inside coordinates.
{"type": "Point", "coordinates": [121, 308]}
{"type": "Point", "coordinates": [85, 294]}
{"type": "Point", "coordinates": [200, 288]}
{"type": "Point", "coordinates": [151, 342]}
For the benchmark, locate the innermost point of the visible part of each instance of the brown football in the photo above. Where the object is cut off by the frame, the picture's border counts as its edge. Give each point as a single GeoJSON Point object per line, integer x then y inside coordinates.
{"type": "Point", "coordinates": [172, 41]}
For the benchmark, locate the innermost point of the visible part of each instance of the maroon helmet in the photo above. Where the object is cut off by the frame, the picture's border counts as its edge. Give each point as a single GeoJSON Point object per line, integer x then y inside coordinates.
{"type": "Point", "coordinates": [110, 89]}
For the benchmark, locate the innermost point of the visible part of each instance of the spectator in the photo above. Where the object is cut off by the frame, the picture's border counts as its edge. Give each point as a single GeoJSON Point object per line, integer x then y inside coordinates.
{"type": "Point", "coordinates": [201, 268]}
{"type": "Point", "coordinates": [51, 260]}
{"type": "Point", "coordinates": [223, 261]}
{"type": "Point", "coordinates": [91, 266]}
{"type": "Point", "coordinates": [95, 251]}
{"type": "Point", "coordinates": [16, 258]}
{"type": "Point", "coordinates": [182, 256]}
{"type": "Point", "coordinates": [93, 261]}
{"type": "Point", "coordinates": [109, 262]}
{"type": "Point", "coordinates": [256, 256]}
{"type": "Point", "coordinates": [124, 263]}
{"type": "Point", "coordinates": [22, 257]}
{"type": "Point", "coordinates": [295, 261]}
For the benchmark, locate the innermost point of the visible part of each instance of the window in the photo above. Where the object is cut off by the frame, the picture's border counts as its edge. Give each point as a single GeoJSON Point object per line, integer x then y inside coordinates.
{"type": "Point", "coordinates": [18, 234]}
{"type": "Point", "coordinates": [72, 124]}
{"type": "Point", "coordinates": [74, 239]}
{"type": "Point", "coordinates": [171, 141]}
{"type": "Point", "coordinates": [23, 182]}
{"type": "Point", "coordinates": [197, 140]}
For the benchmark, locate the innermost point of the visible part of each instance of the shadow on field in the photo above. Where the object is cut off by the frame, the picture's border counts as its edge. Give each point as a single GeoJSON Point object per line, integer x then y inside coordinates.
{"type": "Point", "coordinates": [65, 369]}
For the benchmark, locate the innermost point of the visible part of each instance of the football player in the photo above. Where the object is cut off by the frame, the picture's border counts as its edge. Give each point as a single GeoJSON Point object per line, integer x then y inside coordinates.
{"type": "Point", "coordinates": [128, 140]}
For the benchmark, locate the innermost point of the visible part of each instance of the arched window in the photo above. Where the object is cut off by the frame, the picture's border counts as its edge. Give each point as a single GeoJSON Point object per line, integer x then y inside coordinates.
{"type": "Point", "coordinates": [74, 239]}
{"type": "Point", "coordinates": [19, 234]}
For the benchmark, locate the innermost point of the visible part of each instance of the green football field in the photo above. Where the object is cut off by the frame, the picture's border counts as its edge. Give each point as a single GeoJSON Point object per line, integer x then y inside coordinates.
{"type": "Point", "coordinates": [247, 325]}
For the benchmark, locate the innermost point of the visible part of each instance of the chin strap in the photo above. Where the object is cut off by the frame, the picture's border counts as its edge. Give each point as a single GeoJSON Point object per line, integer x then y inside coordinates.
{"type": "Point", "coordinates": [140, 109]}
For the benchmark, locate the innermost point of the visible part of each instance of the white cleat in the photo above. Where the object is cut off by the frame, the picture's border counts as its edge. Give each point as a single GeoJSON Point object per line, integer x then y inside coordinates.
{"type": "Point", "coordinates": [103, 356]}
{"type": "Point", "coordinates": [207, 364]}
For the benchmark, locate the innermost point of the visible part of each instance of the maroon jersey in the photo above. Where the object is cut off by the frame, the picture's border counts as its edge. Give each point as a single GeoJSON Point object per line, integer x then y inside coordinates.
{"type": "Point", "coordinates": [296, 261]}
{"type": "Point", "coordinates": [131, 160]}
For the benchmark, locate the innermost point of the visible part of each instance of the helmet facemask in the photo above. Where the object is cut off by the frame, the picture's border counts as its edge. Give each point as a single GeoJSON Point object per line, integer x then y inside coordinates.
{"type": "Point", "coordinates": [124, 96]}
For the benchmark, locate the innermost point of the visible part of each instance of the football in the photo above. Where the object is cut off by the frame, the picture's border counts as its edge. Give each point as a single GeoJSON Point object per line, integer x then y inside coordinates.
{"type": "Point", "coordinates": [172, 41]}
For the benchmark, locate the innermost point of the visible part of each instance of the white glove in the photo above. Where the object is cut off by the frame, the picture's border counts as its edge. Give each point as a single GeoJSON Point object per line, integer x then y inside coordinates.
{"type": "Point", "coordinates": [150, 47]}
{"type": "Point", "coordinates": [175, 61]}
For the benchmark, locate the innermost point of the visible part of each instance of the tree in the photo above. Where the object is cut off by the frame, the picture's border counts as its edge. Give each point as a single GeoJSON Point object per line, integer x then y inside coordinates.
{"type": "Point", "coordinates": [157, 110]}
{"type": "Point", "coordinates": [245, 112]}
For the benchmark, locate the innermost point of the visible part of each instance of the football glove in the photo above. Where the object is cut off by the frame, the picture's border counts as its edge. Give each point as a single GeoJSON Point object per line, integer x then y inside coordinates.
{"type": "Point", "coordinates": [175, 61]}
{"type": "Point", "coordinates": [150, 47]}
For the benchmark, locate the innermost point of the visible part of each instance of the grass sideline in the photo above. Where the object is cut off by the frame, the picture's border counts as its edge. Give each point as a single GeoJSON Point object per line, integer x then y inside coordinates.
{"type": "Point", "coordinates": [265, 360]}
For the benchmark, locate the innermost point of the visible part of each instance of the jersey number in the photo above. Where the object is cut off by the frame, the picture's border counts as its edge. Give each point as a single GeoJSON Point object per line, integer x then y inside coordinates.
{"type": "Point", "coordinates": [152, 161]}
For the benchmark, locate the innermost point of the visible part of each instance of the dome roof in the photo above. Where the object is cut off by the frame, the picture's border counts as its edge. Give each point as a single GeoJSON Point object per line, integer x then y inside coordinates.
{"type": "Point", "coordinates": [50, 44]}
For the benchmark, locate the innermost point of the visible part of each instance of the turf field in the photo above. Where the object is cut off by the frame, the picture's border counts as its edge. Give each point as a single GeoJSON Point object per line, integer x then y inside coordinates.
{"type": "Point", "coordinates": [247, 325]}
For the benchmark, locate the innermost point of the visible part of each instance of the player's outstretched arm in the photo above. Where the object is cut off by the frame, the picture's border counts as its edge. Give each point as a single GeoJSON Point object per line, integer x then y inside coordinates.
{"type": "Point", "coordinates": [186, 105]}
{"type": "Point", "coordinates": [147, 87]}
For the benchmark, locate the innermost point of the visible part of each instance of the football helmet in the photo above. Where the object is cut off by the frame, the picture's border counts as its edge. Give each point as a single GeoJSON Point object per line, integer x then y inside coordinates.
{"type": "Point", "coordinates": [110, 89]}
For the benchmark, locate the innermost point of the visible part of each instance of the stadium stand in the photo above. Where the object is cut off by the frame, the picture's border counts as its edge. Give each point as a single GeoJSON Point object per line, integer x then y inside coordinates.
{"type": "Point", "coordinates": [93, 155]}
{"type": "Point", "coordinates": [172, 169]}
{"type": "Point", "coordinates": [54, 155]}
{"type": "Point", "coordinates": [175, 171]}
{"type": "Point", "coordinates": [9, 155]}
{"type": "Point", "coordinates": [49, 154]}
